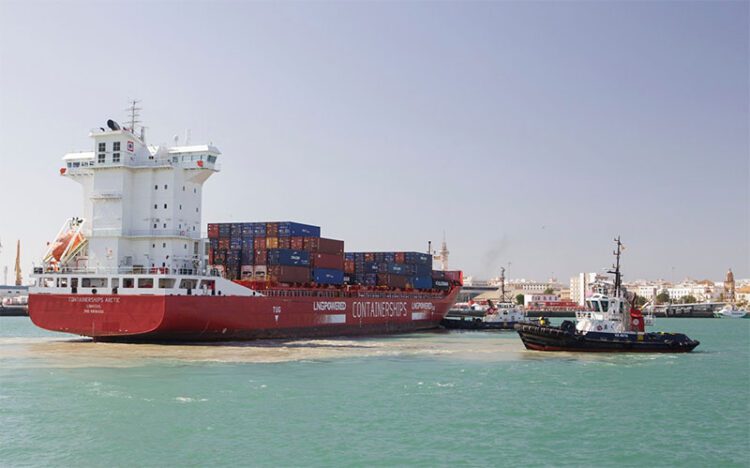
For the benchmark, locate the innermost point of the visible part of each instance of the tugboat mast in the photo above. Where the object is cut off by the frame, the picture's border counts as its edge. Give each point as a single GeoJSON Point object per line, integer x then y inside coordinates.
{"type": "Point", "coordinates": [618, 276]}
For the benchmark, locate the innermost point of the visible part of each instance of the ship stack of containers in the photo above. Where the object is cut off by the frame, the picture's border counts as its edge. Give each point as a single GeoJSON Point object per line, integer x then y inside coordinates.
{"type": "Point", "coordinates": [285, 252]}
{"type": "Point", "coordinates": [390, 269]}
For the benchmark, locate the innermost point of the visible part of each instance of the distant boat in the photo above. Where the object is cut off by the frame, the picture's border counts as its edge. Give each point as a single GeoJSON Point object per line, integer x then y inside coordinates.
{"type": "Point", "coordinates": [490, 316]}
{"type": "Point", "coordinates": [731, 311]}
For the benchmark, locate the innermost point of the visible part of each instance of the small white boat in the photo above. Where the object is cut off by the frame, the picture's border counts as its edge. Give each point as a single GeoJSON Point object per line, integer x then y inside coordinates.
{"type": "Point", "coordinates": [731, 311]}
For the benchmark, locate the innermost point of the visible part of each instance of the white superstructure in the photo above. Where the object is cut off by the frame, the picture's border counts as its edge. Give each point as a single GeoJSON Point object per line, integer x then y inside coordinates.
{"type": "Point", "coordinates": [140, 233]}
{"type": "Point", "coordinates": [142, 204]}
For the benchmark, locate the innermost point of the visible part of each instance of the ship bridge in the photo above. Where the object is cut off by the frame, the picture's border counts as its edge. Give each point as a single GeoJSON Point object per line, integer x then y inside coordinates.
{"type": "Point", "coordinates": [142, 203]}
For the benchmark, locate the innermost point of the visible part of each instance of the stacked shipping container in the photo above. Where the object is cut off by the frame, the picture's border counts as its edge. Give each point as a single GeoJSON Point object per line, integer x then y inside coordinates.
{"type": "Point", "coordinates": [284, 252]}
{"type": "Point", "coordinates": [289, 252]}
{"type": "Point", "coordinates": [393, 270]}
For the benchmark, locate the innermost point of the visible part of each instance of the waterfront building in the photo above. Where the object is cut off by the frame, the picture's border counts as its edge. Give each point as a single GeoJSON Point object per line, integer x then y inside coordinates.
{"type": "Point", "coordinates": [580, 286]}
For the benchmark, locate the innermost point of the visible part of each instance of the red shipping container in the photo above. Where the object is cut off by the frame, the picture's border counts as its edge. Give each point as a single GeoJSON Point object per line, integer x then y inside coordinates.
{"type": "Point", "coordinates": [324, 260]}
{"type": "Point", "coordinates": [285, 243]}
{"type": "Point", "coordinates": [331, 246]}
{"type": "Point", "coordinates": [289, 274]}
{"type": "Point", "coordinates": [323, 245]}
{"type": "Point", "coordinates": [393, 281]}
{"type": "Point", "coordinates": [259, 243]}
{"type": "Point", "coordinates": [297, 243]}
{"type": "Point", "coordinates": [223, 244]}
{"type": "Point", "coordinates": [213, 231]}
{"type": "Point", "coordinates": [400, 257]}
{"type": "Point", "coordinates": [457, 276]}
{"type": "Point", "coordinates": [210, 256]}
{"type": "Point", "coordinates": [369, 257]}
{"type": "Point", "coordinates": [349, 266]}
{"type": "Point", "coordinates": [261, 257]}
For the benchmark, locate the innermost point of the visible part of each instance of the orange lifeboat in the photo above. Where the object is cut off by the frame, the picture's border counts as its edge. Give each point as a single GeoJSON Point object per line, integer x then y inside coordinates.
{"type": "Point", "coordinates": [71, 237]}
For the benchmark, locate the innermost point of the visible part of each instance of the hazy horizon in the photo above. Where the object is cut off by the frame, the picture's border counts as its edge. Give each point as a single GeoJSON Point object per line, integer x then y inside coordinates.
{"type": "Point", "coordinates": [530, 133]}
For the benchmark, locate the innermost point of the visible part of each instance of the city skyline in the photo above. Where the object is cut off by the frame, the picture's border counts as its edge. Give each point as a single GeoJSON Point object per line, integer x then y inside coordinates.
{"type": "Point", "coordinates": [528, 133]}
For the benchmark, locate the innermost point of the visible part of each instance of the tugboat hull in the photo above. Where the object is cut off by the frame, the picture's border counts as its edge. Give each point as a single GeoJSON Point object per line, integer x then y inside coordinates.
{"type": "Point", "coordinates": [542, 338]}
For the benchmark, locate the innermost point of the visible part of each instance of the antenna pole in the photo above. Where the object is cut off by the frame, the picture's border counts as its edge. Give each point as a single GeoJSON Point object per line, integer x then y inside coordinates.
{"type": "Point", "coordinates": [134, 114]}
{"type": "Point", "coordinates": [618, 277]}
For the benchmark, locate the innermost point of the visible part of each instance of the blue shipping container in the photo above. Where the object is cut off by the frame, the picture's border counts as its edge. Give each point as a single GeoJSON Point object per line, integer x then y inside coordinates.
{"type": "Point", "coordinates": [259, 229]}
{"type": "Point", "coordinates": [248, 256]}
{"type": "Point", "coordinates": [328, 276]}
{"type": "Point", "coordinates": [247, 241]}
{"type": "Point", "coordinates": [288, 257]}
{"type": "Point", "coordinates": [421, 282]}
{"type": "Point", "coordinates": [423, 270]}
{"type": "Point", "coordinates": [395, 269]}
{"type": "Point", "coordinates": [418, 258]}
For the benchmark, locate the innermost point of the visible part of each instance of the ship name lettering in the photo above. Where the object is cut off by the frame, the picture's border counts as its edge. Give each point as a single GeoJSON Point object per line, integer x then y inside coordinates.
{"type": "Point", "coordinates": [365, 309]}
{"type": "Point", "coordinates": [423, 306]}
{"type": "Point", "coordinates": [329, 305]}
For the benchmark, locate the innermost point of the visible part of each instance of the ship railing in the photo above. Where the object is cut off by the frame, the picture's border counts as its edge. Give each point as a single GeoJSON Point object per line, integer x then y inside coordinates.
{"type": "Point", "coordinates": [126, 270]}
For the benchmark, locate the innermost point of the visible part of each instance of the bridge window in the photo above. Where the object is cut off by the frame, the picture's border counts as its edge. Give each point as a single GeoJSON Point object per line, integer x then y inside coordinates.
{"type": "Point", "coordinates": [102, 147]}
{"type": "Point", "coordinates": [145, 282]}
{"type": "Point", "coordinates": [128, 283]}
{"type": "Point", "coordinates": [94, 282]}
{"type": "Point", "coordinates": [101, 158]}
{"type": "Point", "coordinates": [605, 306]}
{"type": "Point", "coordinates": [115, 157]}
{"type": "Point", "coordinates": [166, 283]}
{"type": "Point", "coordinates": [186, 283]}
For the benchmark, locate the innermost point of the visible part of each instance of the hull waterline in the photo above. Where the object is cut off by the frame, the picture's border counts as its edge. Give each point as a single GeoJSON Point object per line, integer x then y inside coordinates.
{"type": "Point", "coordinates": [541, 338]}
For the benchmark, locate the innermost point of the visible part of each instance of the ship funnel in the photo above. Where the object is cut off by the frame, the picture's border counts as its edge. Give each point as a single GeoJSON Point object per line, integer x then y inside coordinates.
{"type": "Point", "coordinates": [113, 125]}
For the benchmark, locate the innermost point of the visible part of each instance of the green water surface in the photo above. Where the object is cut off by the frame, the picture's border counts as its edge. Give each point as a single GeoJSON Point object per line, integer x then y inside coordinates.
{"type": "Point", "coordinates": [429, 399]}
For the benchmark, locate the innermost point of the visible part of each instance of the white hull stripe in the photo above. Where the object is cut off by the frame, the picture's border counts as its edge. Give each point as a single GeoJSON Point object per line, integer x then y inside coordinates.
{"type": "Point", "coordinates": [332, 318]}
{"type": "Point", "coordinates": [420, 315]}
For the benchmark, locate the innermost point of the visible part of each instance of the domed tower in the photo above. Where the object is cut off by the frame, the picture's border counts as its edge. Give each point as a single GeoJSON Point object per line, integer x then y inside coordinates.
{"type": "Point", "coordinates": [729, 286]}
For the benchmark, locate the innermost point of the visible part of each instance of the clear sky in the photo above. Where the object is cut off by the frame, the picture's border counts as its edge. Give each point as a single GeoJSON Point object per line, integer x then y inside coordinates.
{"type": "Point", "coordinates": [530, 133]}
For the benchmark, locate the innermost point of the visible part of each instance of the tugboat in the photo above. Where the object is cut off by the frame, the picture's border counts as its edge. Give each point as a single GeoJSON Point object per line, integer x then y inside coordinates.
{"type": "Point", "coordinates": [490, 316]}
{"type": "Point", "coordinates": [611, 324]}
{"type": "Point", "coordinates": [501, 316]}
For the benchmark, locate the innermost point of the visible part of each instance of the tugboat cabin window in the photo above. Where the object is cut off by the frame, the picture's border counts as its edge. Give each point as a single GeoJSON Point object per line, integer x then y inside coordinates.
{"type": "Point", "coordinates": [102, 147]}
{"type": "Point", "coordinates": [145, 282]}
{"type": "Point", "coordinates": [605, 306]}
{"type": "Point", "coordinates": [166, 283]}
{"type": "Point", "coordinates": [101, 158]}
{"type": "Point", "coordinates": [128, 283]}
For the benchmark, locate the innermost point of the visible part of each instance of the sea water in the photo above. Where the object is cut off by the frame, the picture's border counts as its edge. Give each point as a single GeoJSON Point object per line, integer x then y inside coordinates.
{"type": "Point", "coordinates": [426, 399]}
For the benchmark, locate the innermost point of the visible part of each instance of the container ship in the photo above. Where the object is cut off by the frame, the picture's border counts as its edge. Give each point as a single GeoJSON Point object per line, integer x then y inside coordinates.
{"type": "Point", "coordinates": [134, 267]}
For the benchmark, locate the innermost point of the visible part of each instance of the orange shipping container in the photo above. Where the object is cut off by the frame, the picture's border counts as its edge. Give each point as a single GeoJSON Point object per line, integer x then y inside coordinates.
{"type": "Point", "coordinates": [272, 242]}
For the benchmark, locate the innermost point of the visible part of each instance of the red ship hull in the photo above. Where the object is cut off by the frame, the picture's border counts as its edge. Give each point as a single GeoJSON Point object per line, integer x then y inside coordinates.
{"type": "Point", "coordinates": [141, 318]}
